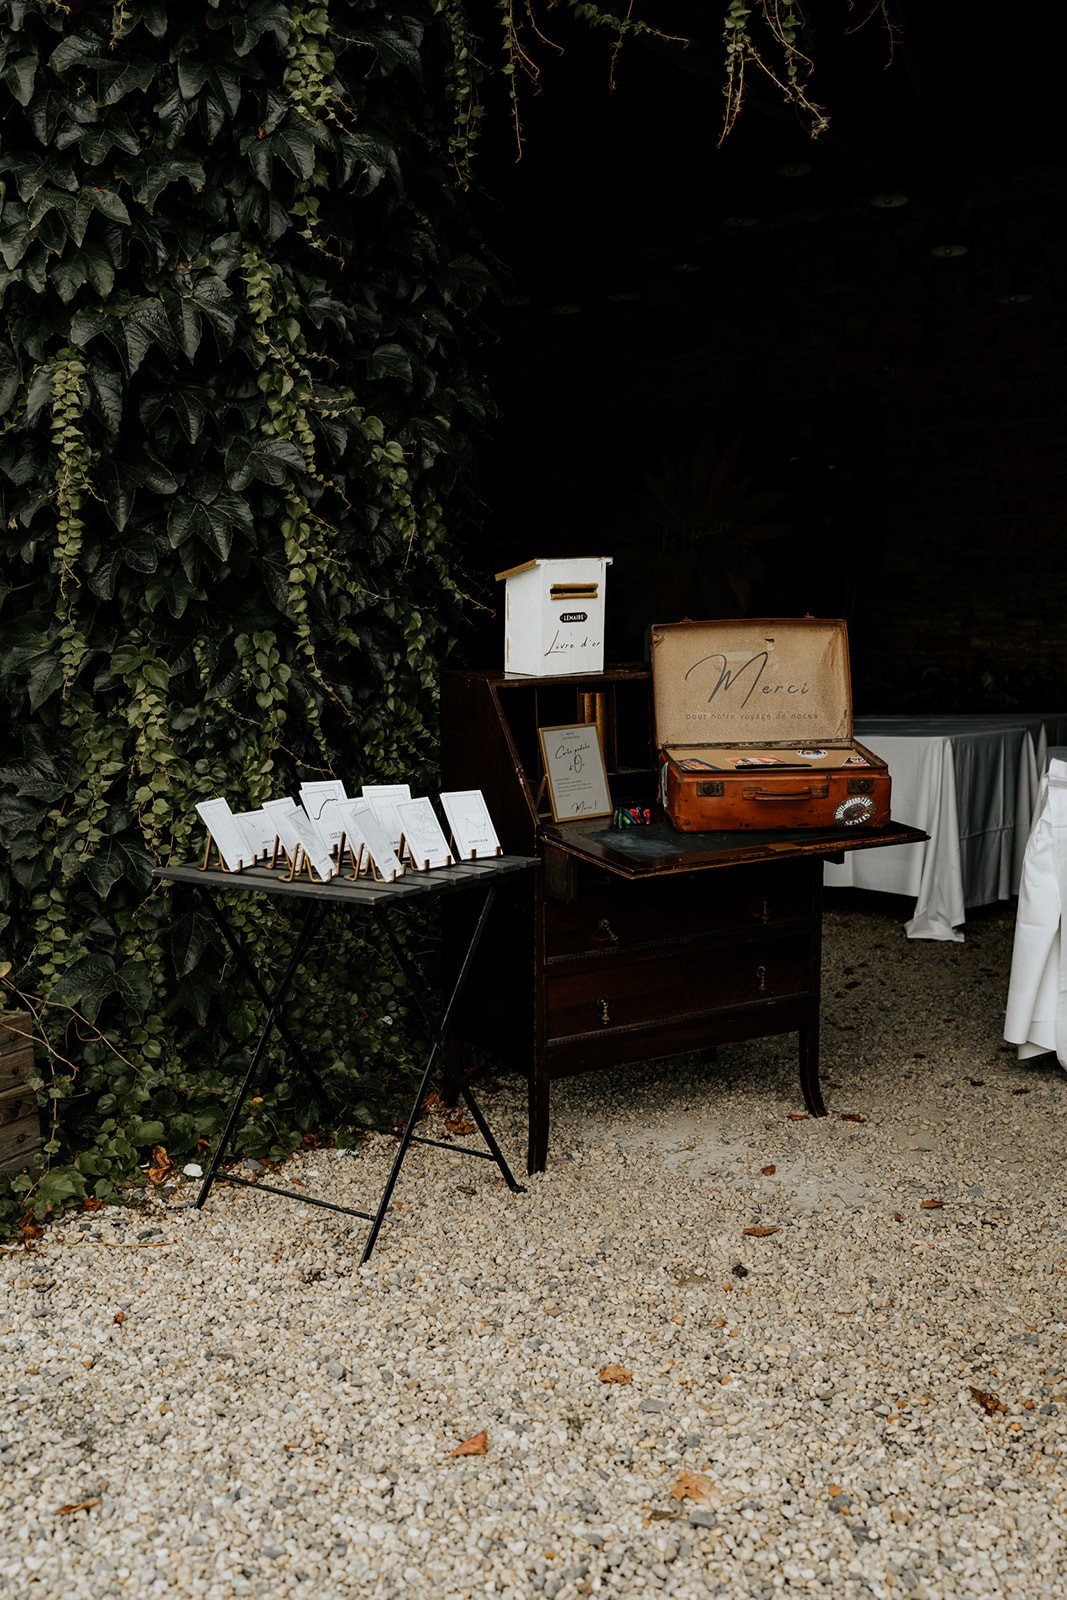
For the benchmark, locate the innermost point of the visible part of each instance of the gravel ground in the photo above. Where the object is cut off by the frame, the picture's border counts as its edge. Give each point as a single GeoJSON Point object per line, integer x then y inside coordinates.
{"type": "Point", "coordinates": [866, 1398]}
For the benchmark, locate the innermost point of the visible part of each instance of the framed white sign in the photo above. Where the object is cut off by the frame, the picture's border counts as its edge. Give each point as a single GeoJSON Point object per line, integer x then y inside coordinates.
{"type": "Point", "coordinates": [220, 822]}
{"type": "Point", "coordinates": [361, 828]}
{"type": "Point", "coordinates": [383, 797]}
{"type": "Point", "coordinates": [422, 835]}
{"type": "Point", "coordinates": [472, 828]}
{"type": "Point", "coordinates": [574, 770]}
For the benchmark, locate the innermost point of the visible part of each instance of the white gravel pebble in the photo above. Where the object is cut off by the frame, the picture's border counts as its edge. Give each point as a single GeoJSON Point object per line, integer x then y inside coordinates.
{"type": "Point", "coordinates": [868, 1401]}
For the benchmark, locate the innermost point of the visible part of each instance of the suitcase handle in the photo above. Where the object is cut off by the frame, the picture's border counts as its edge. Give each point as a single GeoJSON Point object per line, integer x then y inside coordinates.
{"type": "Point", "coordinates": [812, 792]}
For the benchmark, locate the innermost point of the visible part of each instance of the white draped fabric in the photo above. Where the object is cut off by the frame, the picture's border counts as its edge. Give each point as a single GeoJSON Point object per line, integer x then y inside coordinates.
{"type": "Point", "coordinates": [1036, 1017]}
{"type": "Point", "coordinates": [971, 783]}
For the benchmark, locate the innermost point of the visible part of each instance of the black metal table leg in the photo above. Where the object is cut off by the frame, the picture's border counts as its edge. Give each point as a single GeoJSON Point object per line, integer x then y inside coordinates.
{"type": "Point", "coordinates": [299, 1059]}
{"type": "Point", "coordinates": [311, 921]}
{"type": "Point", "coordinates": [440, 1029]}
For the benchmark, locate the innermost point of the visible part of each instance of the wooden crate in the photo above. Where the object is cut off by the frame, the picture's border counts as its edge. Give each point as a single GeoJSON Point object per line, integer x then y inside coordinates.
{"type": "Point", "coordinates": [20, 1126]}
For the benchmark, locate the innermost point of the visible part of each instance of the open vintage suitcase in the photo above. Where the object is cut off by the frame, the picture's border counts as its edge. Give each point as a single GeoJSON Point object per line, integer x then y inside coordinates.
{"type": "Point", "coordinates": [754, 727]}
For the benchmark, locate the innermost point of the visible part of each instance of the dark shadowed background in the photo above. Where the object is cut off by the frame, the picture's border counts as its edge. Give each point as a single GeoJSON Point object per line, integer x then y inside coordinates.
{"type": "Point", "coordinates": [787, 375]}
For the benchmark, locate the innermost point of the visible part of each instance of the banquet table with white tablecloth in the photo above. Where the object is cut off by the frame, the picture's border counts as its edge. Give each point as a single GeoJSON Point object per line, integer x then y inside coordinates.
{"type": "Point", "coordinates": [971, 783]}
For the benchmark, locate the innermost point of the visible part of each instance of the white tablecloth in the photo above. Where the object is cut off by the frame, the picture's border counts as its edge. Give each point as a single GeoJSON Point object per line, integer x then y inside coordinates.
{"type": "Point", "coordinates": [1036, 1017]}
{"type": "Point", "coordinates": [971, 783]}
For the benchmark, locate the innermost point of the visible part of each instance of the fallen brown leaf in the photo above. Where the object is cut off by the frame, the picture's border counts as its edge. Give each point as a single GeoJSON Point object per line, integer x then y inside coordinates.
{"type": "Point", "coordinates": [759, 1233]}
{"type": "Point", "coordinates": [119, 1317]}
{"type": "Point", "coordinates": [1024, 1090]}
{"type": "Point", "coordinates": [990, 1403]}
{"type": "Point", "coordinates": [898, 1216]}
{"type": "Point", "coordinates": [852, 1116]}
{"type": "Point", "coordinates": [768, 1172]}
{"type": "Point", "coordinates": [459, 1124]}
{"type": "Point", "coordinates": [79, 1505]}
{"type": "Point", "coordinates": [476, 1445]}
{"type": "Point", "coordinates": [614, 1374]}
{"type": "Point", "coordinates": [931, 1205]}
{"type": "Point", "coordinates": [798, 1116]}
{"type": "Point", "coordinates": [695, 1486]}
{"type": "Point", "coordinates": [161, 1166]}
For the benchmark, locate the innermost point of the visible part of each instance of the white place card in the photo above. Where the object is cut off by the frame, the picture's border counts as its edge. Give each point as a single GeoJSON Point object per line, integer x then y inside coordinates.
{"type": "Point", "coordinates": [472, 828]}
{"type": "Point", "coordinates": [319, 800]}
{"type": "Point", "coordinates": [423, 837]}
{"type": "Point", "coordinates": [299, 835]}
{"type": "Point", "coordinates": [227, 833]}
{"type": "Point", "coordinates": [383, 797]}
{"type": "Point", "coordinates": [361, 827]}
{"type": "Point", "coordinates": [259, 831]}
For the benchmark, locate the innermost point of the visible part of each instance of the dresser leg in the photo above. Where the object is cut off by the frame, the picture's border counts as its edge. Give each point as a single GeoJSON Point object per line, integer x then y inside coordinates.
{"type": "Point", "coordinates": [537, 1149]}
{"type": "Point", "coordinates": [809, 1070]}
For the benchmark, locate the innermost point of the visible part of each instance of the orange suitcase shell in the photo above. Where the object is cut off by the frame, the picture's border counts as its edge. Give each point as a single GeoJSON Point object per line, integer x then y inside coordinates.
{"type": "Point", "coordinates": [754, 727]}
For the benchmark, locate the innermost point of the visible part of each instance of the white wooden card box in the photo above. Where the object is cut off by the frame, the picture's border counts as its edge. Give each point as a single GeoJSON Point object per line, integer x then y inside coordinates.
{"type": "Point", "coordinates": [554, 616]}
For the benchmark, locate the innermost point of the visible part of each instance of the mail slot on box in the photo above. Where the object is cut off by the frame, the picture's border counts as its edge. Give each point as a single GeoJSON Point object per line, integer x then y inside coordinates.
{"type": "Point", "coordinates": [754, 727]}
{"type": "Point", "coordinates": [554, 616]}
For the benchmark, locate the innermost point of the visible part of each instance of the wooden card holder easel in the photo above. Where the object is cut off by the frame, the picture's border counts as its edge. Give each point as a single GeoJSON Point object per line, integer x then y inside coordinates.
{"type": "Point", "coordinates": [216, 865]}
{"type": "Point", "coordinates": [407, 855]}
{"type": "Point", "coordinates": [299, 863]}
{"type": "Point", "coordinates": [362, 860]}
{"type": "Point", "coordinates": [545, 814]}
{"type": "Point", "coordinates": [458, 856]}
{"type": "Point", "coordinates": [280, 850]}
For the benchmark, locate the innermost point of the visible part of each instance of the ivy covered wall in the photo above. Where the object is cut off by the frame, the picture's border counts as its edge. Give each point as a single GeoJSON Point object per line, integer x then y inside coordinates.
{"type": "Point", "coordinates": [236, 394]}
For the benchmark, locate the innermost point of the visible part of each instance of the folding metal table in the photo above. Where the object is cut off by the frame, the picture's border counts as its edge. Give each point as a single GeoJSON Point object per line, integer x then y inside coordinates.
{"type": "Point", "coordinates": [379, 900]}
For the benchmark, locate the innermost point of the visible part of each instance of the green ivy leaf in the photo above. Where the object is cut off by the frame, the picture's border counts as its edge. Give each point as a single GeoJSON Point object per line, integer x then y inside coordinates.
{"type": "Point", "coordinates": [15, 234]}
{"type": "Point", "coordinates": [390, 361]}
{"type": "Point", "coordinates": [10, 381]}
{"type": "Point", "coordinates": [87, 983]}
{"type": "Point", "coordinates": [20, 74]}
{"type": "Point", "coordinates": [142, 1131]}
{"type": "Point", "coordinates": [190, 940]}
{"type": "Point", "coordinates": [121, 856]}
{"type": "Point", "coordinates": [269, 460]}
{"type": "Point", "coordinates": [146, 324]}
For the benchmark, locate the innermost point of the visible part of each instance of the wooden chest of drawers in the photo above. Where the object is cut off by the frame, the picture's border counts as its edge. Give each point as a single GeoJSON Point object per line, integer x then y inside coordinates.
{"type": "Point", "coordinates": [633, 945]}
{"type": "Point", "coordinates": [20, 1128]}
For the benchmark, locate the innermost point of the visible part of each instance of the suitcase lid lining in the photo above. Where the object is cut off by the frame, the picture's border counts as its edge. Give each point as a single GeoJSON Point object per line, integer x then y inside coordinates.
{"type": "Point", "coordinates": [752, 681]}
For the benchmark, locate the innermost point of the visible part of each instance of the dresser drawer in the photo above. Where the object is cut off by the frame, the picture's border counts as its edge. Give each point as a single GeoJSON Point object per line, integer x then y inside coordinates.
{"type": "Point", "coordinates": [16, 1049]}
{"type": "Point", "coordinates": [20, 1130]}
{"type": "Point", "coordinates": [663, 985]}
{"type": "Point", "coordinates": [618, 917]}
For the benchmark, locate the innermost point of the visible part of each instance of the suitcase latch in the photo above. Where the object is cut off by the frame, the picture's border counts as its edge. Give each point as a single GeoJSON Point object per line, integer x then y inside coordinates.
{"type": "Point", "coordinates": [860, 786]}
{"type": "Point", "coordinates": [715, 787]}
